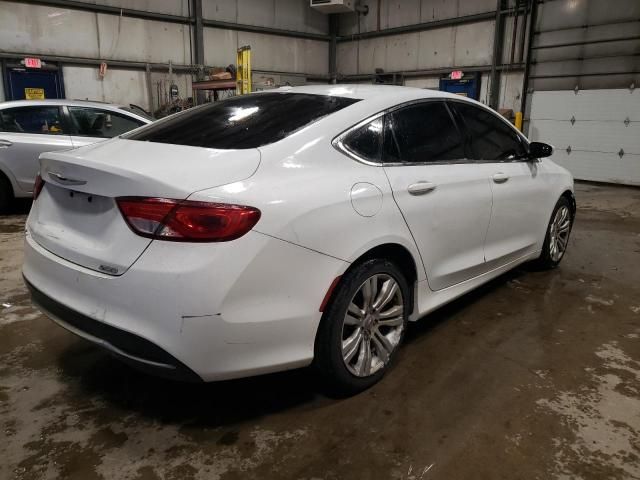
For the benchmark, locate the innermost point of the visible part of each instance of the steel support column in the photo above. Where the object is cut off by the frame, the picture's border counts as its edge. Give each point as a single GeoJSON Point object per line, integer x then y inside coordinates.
{"type": "Point", "coordinates": [198, 45]}
{"type": "Point", "coordinates": [147, 77]}
{"type": "Point", "coordinates": [531, 25]}
{"type": "Point", "coordinates": [333, 47]}
{"type": "Point", "coordinates": [496, 59]}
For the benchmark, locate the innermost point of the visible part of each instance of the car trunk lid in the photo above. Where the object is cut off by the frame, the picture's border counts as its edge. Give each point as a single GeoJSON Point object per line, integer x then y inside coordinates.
{"type": "Point", "coordinates": [76, 216]}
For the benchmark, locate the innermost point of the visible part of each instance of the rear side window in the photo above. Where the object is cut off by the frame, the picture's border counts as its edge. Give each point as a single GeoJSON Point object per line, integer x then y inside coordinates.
{"type": "Point", "coordinates": [93, 122]}
{"type": "Point", "coordinates": [243, 122]}
{"type": "Point", "coordinates": [138, 111]}
{"type": "Point", "coordinates": [366, 141]}
{"type": "Point", "coordinates": [490, 137]}
{"type": "Point", "coordinates": [420, 133]}
{"type": "Point", "coordinates": [46, 120]}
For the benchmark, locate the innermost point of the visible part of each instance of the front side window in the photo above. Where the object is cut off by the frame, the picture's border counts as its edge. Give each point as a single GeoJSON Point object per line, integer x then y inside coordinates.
{"type": "Point", "coordinates": [246, 121]}
{"type": "Point", "coordinates": [490, 137]}
{"type": "Point", "coordinates": [366, 141]}
{"type": "Point", "coordinates": [93, 122]}
{"type": "Point", "coordinates": [43, 119]}
{"type": "Point", "coordinates": [424, 132]}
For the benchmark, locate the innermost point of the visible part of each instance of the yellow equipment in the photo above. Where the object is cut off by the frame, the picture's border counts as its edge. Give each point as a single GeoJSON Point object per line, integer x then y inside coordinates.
{"type": "Point", "coordinates": [519, 120]}
{"type": "Point", "coordinates": [243, 71]}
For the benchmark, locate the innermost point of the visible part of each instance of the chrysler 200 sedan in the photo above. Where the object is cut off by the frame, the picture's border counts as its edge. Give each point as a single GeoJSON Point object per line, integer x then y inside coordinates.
{"type": "Point", "coordinates": [300, 226]}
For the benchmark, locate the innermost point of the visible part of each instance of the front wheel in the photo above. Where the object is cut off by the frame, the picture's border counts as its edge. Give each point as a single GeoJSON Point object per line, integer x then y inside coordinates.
{"type": "Point", "coordinates": [363, 326]}
{"type": "Point", "coordinates": [557, 239]}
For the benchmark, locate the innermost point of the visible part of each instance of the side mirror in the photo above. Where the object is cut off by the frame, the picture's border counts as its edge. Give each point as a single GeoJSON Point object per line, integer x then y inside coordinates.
{"type": "Point", "coordinates": [540, 150]}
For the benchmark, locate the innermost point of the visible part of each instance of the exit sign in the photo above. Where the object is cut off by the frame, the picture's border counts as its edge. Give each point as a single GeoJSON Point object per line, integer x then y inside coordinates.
{"type": "Point", "coordinates": [456, 75]}
{"type": "Point", "coordinates": [31, 62]}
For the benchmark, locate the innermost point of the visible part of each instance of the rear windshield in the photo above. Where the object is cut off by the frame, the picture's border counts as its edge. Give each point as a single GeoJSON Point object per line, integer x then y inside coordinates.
{"type": "Point", "coordinates": [242, 122]}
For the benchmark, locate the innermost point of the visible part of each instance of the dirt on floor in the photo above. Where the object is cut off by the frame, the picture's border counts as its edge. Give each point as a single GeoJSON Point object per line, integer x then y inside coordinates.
{"type": "Point", "coordinates": [534, 376]}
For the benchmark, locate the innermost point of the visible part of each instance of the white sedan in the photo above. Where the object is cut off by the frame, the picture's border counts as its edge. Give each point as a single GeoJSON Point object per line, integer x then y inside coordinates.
{"type": "Point", "coordinates": [30, 127]}
{"type": "Point", "coordinates": [300, 226]}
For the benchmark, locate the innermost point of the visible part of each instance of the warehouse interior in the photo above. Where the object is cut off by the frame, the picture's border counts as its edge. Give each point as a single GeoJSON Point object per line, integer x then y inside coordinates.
{"type": "Point", "coordinates": [534, 375]}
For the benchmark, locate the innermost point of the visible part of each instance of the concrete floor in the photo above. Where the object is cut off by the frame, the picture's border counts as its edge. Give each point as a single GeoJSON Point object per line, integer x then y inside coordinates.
{"type": "Point", "coordinates": [535, 376]}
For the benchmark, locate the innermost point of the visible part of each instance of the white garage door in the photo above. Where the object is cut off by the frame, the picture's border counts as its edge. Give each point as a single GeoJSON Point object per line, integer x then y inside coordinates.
{"type": "Point", "coordinates": [596, 133]}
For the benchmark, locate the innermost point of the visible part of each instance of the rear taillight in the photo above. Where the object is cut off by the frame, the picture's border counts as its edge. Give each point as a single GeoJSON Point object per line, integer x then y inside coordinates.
{"type": "Point", "coordinates": [37, 187]}
{"type": "Point", "coordinates": [185, 220]}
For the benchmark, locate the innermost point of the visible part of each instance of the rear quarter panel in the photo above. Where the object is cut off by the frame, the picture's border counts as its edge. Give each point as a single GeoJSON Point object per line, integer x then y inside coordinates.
{"type": "Point", "coordinates": [306, 191]}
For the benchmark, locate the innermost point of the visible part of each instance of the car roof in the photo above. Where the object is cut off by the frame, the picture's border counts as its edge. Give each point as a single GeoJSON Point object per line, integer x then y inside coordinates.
{"type": "Point", "coordinates": [376, 96]}
{"type": "Point", "coordinates": [59, 101]}
{"type": "Point", "coordinates": [368, 91]}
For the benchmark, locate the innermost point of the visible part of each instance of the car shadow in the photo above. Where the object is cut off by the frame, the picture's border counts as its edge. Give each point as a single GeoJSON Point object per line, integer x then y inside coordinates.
{"type": "Point", "coordinates": [98, 374]}
{"type": "Point", "coordinates": [432, 320]}
{"type": "Point", "coordinates": [207, 405]}
{"type": "Point", "coordinates": [19, 206]}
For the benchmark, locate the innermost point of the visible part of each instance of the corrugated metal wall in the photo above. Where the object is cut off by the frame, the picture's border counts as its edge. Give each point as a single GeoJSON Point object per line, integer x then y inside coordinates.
{"type": "Point", "coordinates": [44, 30]}
{"type": "Point", "coordinates": [468, 46]}
{"type": "Point", "coordinates": [586, 43]}
{"type": "Point", "coordinates": [585, 67]}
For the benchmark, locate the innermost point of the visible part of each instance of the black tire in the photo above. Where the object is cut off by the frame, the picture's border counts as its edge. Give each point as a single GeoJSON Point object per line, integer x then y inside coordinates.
{"type": "Point", "coordinates": [328, 359]}
{"type": "Point", "coordinates": [6, 194]}
{"type": "Point", "coordinates": [546, 260]}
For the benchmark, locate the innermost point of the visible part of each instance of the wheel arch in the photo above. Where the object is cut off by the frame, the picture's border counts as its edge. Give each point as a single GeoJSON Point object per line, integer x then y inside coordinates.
{"type": "Point", "coordinates": [400, 255]}
{"type": "Point", "coordinates": [6, 197]}
{"type": "Point", "coordinates": [568, 194]}
{"type": "Point", "coordinates": [6, 174]}
{"type": "Point", "coordinates": [8, 178]}
{"type": "Point", "coordinates": [395, 253]}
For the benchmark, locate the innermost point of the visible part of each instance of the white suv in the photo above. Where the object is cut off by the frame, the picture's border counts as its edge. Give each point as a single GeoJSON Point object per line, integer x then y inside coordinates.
{"type": "Point", "coordinates": [31, 127]}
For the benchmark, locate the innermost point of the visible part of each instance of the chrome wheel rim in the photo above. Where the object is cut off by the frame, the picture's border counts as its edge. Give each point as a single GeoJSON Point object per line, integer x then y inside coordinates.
{"type": "Point", "coordinates": [559, 234]}
{"type": "Point", "coordinates": [373, 325]}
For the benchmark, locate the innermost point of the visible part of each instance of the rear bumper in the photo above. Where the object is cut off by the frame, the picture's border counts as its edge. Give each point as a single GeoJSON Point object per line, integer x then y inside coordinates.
{"type": "Point", "coordinates": [132, 349]}
{"type": "Point", "coordinates": [220, 311]}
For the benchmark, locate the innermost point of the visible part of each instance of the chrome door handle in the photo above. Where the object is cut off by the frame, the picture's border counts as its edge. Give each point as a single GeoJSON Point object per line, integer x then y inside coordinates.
{"type": "Point", "coordinates": [420, 188]}
{"type": "Point", "coordinates": [500, 177]}
{"type": "Point", "coordinates": [5, 143]}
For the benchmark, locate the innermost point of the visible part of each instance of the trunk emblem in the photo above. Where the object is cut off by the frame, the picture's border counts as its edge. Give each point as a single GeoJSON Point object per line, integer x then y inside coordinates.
{"type": "Point", "coordinates": [58, 177]}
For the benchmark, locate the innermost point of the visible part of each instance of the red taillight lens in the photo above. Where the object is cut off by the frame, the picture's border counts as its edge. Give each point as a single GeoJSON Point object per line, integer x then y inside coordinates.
{"type": "Point", "coordinates": [185, 220]}
{"type": "Point", "coordinates": [37, 187]}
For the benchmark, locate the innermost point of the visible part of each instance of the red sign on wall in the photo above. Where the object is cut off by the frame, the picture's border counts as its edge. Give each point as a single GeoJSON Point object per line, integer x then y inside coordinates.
{"type": "Point", "coordinates": [31, 62]}
{"type": "Point", "coordinates": [456, 75]}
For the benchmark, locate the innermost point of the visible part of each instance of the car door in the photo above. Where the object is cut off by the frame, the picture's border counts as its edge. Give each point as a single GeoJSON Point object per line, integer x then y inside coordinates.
{"type": "Point", "coordinates": [25, 133]}
{"type": "Point", "coordinates": [93, 125]}
{"type": "Point", "coordinates": [444, 197]}
{"type": "Point", "coordinates": [518, 185]}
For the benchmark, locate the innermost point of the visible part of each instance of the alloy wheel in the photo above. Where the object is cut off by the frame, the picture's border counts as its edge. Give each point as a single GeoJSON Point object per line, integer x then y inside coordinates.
{"type": "Point", "coordinates": [373, 325]}
{"type": "Point", "coordinates": [559, 233]}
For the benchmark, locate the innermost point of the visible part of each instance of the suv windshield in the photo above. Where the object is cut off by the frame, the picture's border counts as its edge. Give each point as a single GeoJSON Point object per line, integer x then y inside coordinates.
{"type": "Point", "coordinates": [242, 122]}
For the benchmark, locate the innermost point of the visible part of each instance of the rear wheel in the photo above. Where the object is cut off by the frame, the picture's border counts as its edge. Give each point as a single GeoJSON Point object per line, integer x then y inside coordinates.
{"type": "Point", "coordinates": [363, 326]}
{"type": "Point", "coordinates": [557, 238]}
{"type": "Point", "coordinates": [6, 194]}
